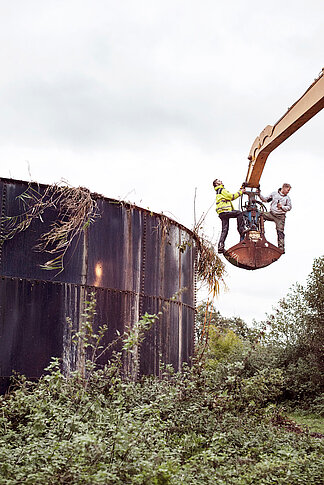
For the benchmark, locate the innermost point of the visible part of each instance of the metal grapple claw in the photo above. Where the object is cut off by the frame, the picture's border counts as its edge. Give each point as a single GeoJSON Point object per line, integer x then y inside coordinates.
{"type": "Point", "coordinates": [253, 252]}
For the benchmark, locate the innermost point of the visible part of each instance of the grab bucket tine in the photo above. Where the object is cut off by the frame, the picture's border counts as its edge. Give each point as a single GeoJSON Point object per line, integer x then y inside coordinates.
{"type": "Point", "coordinates": [253, 254]}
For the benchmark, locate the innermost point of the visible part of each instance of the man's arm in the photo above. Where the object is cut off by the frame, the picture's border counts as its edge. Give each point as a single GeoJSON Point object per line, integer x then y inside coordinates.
{"type": "Point", "coordinates": [287, 207]}
{"type": "Point", "coordinates": [228, 196]}
{"type": "Point", "coordinates": [266, 199]}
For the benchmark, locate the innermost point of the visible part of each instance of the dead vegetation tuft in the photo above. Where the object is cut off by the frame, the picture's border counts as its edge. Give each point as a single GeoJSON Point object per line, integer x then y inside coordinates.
{"type": "Point", "coordinates": [210, 267]}
{"type": "Point", "coordinates": [76, 210]}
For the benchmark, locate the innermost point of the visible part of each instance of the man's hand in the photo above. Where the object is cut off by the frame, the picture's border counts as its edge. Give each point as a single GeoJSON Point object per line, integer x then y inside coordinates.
{"type": "Point", "coordinates": [243, 190]}
{"type": "Point", "coordinates": [279, 205]}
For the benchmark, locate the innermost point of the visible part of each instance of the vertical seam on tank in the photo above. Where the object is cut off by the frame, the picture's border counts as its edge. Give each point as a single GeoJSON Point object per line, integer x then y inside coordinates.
{"type": "Point", "coordinates": [195, 254]}
{"type": "Point", "coordinates": [142, 284]}
{"type": "Point", "coordinates": [3, 211]}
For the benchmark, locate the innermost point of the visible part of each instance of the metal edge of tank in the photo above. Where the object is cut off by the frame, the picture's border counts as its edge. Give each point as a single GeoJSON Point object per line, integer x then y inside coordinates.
{"type": "Point", "coordinates": [98, 196]}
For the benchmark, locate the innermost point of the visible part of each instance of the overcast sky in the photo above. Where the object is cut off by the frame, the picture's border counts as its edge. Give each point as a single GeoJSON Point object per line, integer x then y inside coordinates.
{"type": "Point", "coordinates": [148, 100]}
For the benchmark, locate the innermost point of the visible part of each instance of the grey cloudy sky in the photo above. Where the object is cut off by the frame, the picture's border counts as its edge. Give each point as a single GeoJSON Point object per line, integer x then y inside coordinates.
{"type": "Point", "coordinates": [146, 100]}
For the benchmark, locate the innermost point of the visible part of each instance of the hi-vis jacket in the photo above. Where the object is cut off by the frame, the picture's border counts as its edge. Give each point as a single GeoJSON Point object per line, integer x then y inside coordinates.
{"type": "Point", "coordinates": [224, 199]}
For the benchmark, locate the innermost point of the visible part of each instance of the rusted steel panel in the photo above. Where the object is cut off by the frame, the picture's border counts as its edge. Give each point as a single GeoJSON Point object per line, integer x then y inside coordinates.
{"type": "Point", "coordinates": [150, 350]}
{"type": "Point", "coordinates": [175, 340]}
{"type": "Point", "coordinates": [134, 260]}
{"type": "Point", "coordinates": [187, 348]}
{"type": "Point", "coordinates": [187, 255]}
{"type": "Point", "coordinates": [134, 222]}
{"type": "Point", "coordinates": [115, 247]}
{"type": "Point", "coordinates": [153, 270]}
{"type": "Point", "coordinates": [106, 248]}
{"type": "Point", "coordinates": [110, 308]}
{"type": "Point", "coordinates": [31, 330]}
{"type": "Point", "coordinates": [171, 282]}
{"type": "Point", "coordinates": [170, 339]}
{"type": "Point", "coordinates": [19, 257]}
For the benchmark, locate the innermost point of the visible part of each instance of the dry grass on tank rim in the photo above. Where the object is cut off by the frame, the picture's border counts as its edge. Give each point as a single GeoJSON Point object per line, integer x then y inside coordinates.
{"type": "Point", "coordinates": [210, 268]}
{"type": "Point", "coordinates": [76, 210]}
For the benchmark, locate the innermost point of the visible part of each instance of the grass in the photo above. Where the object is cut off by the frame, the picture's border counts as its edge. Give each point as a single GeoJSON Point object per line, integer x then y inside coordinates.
{"type": "Point", "coordinates": [313, 422]}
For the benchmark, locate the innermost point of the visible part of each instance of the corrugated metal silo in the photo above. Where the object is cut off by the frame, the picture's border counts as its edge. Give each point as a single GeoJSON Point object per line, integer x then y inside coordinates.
{"type": "Point", "coordinates": [134, 260]}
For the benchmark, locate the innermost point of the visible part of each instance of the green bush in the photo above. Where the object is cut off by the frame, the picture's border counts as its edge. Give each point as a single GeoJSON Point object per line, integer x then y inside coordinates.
{"type": "Point", "coordinates": [263, 387]}
{"type": "Point", "coordinates": [221, 345]}
{"type": "Point", "coordinates": [168, 430]}
{"type": "Point", "coordinates": [289, 342]}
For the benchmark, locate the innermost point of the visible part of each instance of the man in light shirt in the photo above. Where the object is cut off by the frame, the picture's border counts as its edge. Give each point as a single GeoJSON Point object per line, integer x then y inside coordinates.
{"type": "Point", "coordinates": [280, 205]}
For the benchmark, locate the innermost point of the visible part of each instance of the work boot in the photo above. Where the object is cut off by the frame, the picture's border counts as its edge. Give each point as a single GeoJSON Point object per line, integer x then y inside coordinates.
{"type": "Point", "coordinates": [221, 248]}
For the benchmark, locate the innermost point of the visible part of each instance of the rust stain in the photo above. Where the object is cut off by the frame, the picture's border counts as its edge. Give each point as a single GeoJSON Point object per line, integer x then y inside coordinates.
{"type": "Point", "coordinates": [253, 252]}
{"type": "Point", "coordinates": [98, 274]}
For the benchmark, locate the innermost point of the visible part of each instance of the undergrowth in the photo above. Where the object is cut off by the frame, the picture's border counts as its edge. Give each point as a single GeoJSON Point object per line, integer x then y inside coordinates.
{"type": "Point", "coordinates": [195, 427]}
{"type": "Point", "coordinates": [219, 421]}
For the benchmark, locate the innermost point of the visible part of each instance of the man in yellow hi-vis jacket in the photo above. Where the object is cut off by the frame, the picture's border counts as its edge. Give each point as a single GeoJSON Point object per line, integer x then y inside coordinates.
{"type": "Point", "coordinates": [225, 210]}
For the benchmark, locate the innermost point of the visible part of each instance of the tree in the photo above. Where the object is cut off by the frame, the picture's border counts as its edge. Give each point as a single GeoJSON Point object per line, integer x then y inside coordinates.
{"type": "Point", "coordinates": [207, 314]}
{"type": "Point", "coordinates": [296, 331]}
{"type": "Point", "coordinates": [314, 296]}
{"type": "Point", "coordinates": [219, 337]}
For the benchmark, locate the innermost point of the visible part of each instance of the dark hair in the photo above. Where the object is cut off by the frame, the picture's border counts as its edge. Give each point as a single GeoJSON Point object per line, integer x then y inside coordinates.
{"type": "Point", "coordinates": [216, 182]}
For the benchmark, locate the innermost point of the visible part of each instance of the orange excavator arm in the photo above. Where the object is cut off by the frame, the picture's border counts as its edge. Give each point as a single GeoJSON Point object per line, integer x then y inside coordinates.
{"type": "Point", "coordinates": [310, 103]}
{"type": "Point", "coordinates": [254, 251]}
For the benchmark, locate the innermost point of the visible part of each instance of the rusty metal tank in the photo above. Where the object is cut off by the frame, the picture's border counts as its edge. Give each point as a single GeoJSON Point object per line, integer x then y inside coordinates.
{"type": "Point", "coordinates": [134, 260]}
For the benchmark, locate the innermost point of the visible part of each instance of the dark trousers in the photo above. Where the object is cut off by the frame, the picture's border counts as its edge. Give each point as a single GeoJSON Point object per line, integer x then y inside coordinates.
{"type": "Point", "coordinates": [225, 217]}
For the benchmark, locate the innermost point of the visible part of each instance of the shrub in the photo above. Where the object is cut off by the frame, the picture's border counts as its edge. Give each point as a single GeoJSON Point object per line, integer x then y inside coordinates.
{"type": "Point", "coordinates": [156, 431]}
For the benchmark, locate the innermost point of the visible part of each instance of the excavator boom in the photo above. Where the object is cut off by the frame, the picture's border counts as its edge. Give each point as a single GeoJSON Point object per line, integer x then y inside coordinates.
{"type": "Point", "coordinates": [254, 251]}
{"type": "Point", "coordinates": [310, 103]}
